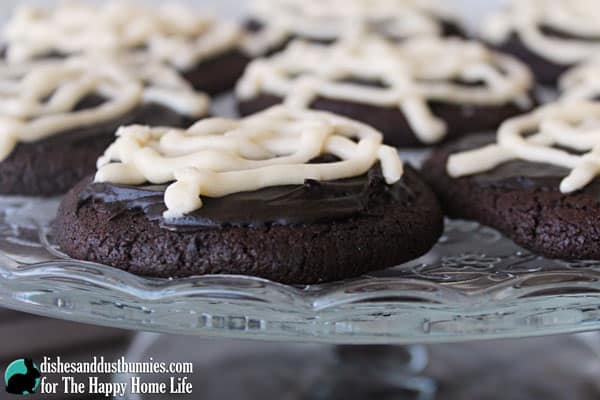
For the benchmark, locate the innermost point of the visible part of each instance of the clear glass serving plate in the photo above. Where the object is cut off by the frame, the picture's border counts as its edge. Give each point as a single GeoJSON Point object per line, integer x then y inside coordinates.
{"type": "Point", "coordinates": [474, 284]}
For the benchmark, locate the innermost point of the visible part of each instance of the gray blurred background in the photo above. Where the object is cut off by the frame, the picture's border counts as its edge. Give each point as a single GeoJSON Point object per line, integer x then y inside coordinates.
{"type": "Point", "coordinates": [471, 9]}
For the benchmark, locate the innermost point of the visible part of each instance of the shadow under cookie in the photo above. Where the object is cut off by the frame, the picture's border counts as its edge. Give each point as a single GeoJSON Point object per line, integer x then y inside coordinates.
{"type": "Point", "coordinates": [300, 234]}
{"type": "Point", "coordinates": [391, 121]}
{"type": "Point", "coordinates": [522, 200]}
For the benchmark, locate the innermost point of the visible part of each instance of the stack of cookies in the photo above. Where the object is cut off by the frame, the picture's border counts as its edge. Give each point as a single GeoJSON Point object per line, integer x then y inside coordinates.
{"type": "Point", "coordinates": [308, 185]}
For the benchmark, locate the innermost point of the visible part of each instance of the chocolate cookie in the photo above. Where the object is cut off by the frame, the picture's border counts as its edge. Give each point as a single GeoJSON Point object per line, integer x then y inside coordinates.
{"type": "Point", "coordinates": [459, 119]}
{"type": "Point", "coordinates": [302, 252]}
{"type": "Point", "coordinates": [531, 31]}
{"type": "Point", "coordinates": [273, 24]}
{"type": "Point", "coordinates": [218, 74]}
{"type": "Point", "coordinates": [61, 115]}
{"type": "Point", "coordinates": [52, 166]}
{"type": "Point", "coordinates": [546, 72]}
{"type": "Point", "coordinates": [531, 202]}
{"type": "Point", "coordinates": [205, 51]}
{"type": "Point", "coordinates": [255, 28]}
{"type": "Point", "coordinates": [369, 81]}
{"type": "Point", "coordinates": [271, 223]}
{"type": "Point", "coordinates": [581, 82]}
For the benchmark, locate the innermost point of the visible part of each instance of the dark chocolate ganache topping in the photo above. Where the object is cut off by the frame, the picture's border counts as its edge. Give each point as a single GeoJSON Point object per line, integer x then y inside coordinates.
{"type": "Point", "coordinates": [521, 174]}
{"type": "Point", "coordinates": [311, 202]}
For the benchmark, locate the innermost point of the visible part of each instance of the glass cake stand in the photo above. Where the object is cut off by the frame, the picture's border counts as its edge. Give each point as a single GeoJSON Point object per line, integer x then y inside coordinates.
{"type": "Point", "coordinates": [475, 284]}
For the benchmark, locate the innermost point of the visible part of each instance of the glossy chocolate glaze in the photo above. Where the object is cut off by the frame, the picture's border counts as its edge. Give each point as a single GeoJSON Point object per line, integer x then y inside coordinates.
{"type": "Point", "coordinates": [520, 174]}
{"type": "Point", "coordinates": [311, 202]}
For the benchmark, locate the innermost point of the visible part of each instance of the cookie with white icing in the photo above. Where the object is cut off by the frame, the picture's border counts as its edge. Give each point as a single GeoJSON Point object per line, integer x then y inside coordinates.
{"type": "Point", "coordinates": [288, 195]}
{"type": "Point", "coordinates": [549, 35]}
{"type": "Point", "coordinates": [581, 82]}
{"type": "Point", "coordinates": [57, 116]}
{"type": "Point", "coordinates": [273, 23]}
{"type": "Point", "coordinates": [206, 51]}
{"type": "Point", "coordinates": [538, 180]}
{"type": "Point", "coordinates": [419, 92]}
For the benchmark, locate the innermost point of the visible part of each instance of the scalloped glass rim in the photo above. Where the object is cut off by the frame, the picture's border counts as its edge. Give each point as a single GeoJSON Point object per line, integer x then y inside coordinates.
{"type": "Point", "coordinates": [474, 284]}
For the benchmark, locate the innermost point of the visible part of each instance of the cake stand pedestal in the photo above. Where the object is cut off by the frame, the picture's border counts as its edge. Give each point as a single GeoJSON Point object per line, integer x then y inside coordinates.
{"type": "Point", "coordinates": [550, 368]}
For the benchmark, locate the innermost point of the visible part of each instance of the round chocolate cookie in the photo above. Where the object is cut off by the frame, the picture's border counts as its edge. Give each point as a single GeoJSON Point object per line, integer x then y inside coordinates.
{"type": "Point", "coordinates": [521, 199]}
{"type": "Point", "coordinates": [206, 51]}
{"type": "Point", "coordinates": [61, 114]}
{"type": "Point", "coordinates": [273, 24]}
{"type": "Point", "coordinates": [213, 76]}
{"type": "Point", "coordinates": [52, 166]}
{"type": "Point", "coordinates": [550, 36]}
{"type": "Point", "coordinates": [448, 28]}
{"type": "Point", "coordinates": [316, 232]}
{"type": "Point", "coordinates": [392, 122]}
{"type": "Point", "coordinates": [396, 88]}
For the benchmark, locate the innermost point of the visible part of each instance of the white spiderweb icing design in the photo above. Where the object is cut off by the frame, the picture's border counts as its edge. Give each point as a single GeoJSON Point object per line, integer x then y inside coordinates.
{"type": "Point", "coordinates": [217, 157]}
{"type": "Point", "coordinates": [37, 99]}
{"type": "Point", "coordinates": [333, 19]}
{"type": "Point", "coordinates": [582, 82]}
{"type": "Point", "coordinates": [527, 18]}
{"type": "Point", "coordinates": [169, 32]}
{"type": "Point", "coordinates": [414, 73]}
{"type": "Point", "coordinates": [572, 125]}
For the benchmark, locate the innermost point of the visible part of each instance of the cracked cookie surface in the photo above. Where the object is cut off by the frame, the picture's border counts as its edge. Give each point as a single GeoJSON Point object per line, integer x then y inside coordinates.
{"type": "Point", "coordinates": [522, 200]}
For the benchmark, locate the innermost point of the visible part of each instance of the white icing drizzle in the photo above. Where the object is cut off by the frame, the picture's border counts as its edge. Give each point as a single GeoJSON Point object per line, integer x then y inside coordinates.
{"type": "Point", "coordinates": [573, 124]}
{"type": "Point", "coordinates": [37, 99]}
{"type": "Point", "coordinates": [333, 19]}
{"type": "Point", "coordinates": [526, 18]}
{"type": "Point", "coordinates": [217, 157]}
{"type": "Point", "coordinates": [170, 32]}
{"type": "Point", "coordinates": [415, 72]}
{"type": "Point", "coordinates": [582, 81]}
